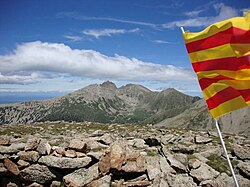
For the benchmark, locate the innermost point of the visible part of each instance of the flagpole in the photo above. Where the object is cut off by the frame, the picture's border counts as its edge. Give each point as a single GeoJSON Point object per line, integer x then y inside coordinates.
{"type": "Point", "coordinates": [182, 30]}
{"type": "Point", "coordinates": [225, 151]}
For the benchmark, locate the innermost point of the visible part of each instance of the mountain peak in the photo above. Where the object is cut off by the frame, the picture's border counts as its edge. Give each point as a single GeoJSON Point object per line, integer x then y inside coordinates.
{"type": "Point", "coordinates": [109, 84]}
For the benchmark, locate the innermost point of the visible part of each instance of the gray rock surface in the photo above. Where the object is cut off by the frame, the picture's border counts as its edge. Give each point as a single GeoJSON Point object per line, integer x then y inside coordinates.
{"type": "Point", "coordinates": [64, 163]}
{"type": "Point", "coordinates": [81, 177]}
{"type": "Point", "coordinates": [204, 172]}
{"type": "Point", "coordinates": [37, 173]}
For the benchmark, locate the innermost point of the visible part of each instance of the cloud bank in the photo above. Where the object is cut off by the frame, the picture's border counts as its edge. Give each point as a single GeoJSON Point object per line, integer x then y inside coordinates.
{"type": "Point", "coordinates": [32, 61]}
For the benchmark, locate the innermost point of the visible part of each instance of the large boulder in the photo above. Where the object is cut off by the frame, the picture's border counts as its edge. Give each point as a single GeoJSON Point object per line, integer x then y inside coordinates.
{"type": "Point", "coordinates": [30, 156]}
{"type": "Point", "coordinates": [81, 177]}
{"type": "Point", "coordinates": [204, 172]}
{"type": "Point", "coordinates": [11, 166]}
{"type": "Point", "coordinates": [242, 152]}
{"type": "Point", "coordinates": [64, 163]}
{"type": "Point", "coordinates": [37, 173]}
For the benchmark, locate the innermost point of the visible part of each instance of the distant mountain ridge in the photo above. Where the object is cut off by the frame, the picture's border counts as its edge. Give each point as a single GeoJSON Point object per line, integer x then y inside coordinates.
{"type": "Point", "coordinates": [103, 103]}
{"type": "Point", "coordinates": [131, 103]}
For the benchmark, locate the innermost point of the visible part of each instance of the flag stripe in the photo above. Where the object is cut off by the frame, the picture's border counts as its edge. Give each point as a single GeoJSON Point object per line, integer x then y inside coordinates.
{"type": "Point", "coordinates": [238, 22]}
{"type": "Point", "coordinates": [230, 63]}
{"type": "Point", "coordinates": [206, 82]}
{"type": "Point", "coordinates": [223, 51]}
{"type": "Point", "coordinates": [222, 84]}
{"type": "Point", "coordinates": [228, 106]}
{"type": "Point", "coordinates": [231, 35]}
{"type": "Point", "coordinates": [221, 97]}
{"type": "Point", "coordinates": [243, 74]}
{"type": "Point", "coordinates": [245, 94]}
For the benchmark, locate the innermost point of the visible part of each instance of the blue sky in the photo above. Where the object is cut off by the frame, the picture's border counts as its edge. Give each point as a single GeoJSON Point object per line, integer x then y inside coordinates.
{"type": "Point", "coordinates": [64, 45]}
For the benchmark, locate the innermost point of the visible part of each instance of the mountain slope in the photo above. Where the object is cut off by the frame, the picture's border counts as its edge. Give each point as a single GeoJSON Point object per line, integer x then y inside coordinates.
{"type": "Point", "coordinates": [198, 117]}
{"type": "Point", "coordinates": [101, 103]}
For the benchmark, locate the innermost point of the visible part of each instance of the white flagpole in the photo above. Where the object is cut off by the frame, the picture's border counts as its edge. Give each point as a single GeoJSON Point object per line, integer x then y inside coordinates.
{"type": "Point", "coordinates": [225, 151]}
{"type": "Point", "coordinates": [222, 143]}
{"type": "Point", "coordinates": [182, 30]}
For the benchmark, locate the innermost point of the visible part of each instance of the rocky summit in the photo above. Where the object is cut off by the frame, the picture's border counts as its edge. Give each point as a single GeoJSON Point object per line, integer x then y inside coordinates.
{"type": "Point", "coordinates": [57, 154]}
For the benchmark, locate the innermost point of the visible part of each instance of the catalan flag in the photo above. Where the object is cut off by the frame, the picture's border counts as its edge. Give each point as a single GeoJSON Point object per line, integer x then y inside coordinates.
{"type": "Point", "coordinates": [220, 56]}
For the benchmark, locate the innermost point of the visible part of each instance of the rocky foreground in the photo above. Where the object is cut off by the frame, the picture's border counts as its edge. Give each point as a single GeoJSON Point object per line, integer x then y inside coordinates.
{"type": "Point", "coordinates": [84, 154]}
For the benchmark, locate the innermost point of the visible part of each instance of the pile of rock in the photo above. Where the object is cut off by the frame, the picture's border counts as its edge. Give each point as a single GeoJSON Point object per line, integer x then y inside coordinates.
{"type": "Point", "coordinates": [158, 158]}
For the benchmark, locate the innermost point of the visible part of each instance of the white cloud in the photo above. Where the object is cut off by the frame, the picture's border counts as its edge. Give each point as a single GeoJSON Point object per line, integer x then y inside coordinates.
{"type": "Point", "coordinates": [223, 12]}
{"type": "Point", "coordinates": [107, 32]}
{"type": "Point", "coordinates": [76, 15]}
{"type": "Point", "coordinates": [162, 42]}
{"type": "Point", "coordinates": [23, 65]}
{"type": "Point", "coordinates": [194, 13]}
{"type": "Point", "coordinates": [73, 38]}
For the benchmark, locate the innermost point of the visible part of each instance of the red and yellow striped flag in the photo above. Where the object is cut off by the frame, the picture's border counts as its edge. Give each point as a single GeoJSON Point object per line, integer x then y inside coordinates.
{"type": "Point", "coordinates": [220, 56]}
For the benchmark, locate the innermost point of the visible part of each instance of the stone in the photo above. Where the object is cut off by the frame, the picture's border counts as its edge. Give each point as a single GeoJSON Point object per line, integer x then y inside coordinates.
{"type": "Point", "coordinates": [200, 157]}
{"type": "Point", "coordinates": [212, 151]}
{"type": "Point", "coordinates": [22, 163]}
{"type": "Point", "coordinates": [43, 147]}
{"type": "Point", "coordinates": [97, 133]}
{"type": "Point", "coordinates": [153, 167]}
{"type": "Point", "coordinates": [64, 163]}
{"type": "Point", "coordinates": [223, 180]}
{"type": "Point", "coordinates": [4, 140]}
{"type": "Point", "coordinates": [37, 173]}
{"type": "Point", "coordinates": [35, 184]}
{"type": "Point", "coordinates": [7, 150]}
{"type": "Point", "coordinates": [31, 144]}
{"type": "Point", "coordinates": [181, 157]}
{"type": "Point", "coordinates": [102, 182]}
{"type": "Point", "coordinates": [160, 182]}
{"type": "Point", "coordinates": [104, 162]}
{"type": "Point", "coordinates": [244, 168]}
{"type": "Point", "coordinates": [78, 145]}
{"type": "Point", "coordinates": [30, 156]}
{"type": "Point", "coordinates": [56, 184]}
{"type": "Point", "coordinates": [18, 146]}
{"type": "Point", "coordinates": [183, 148]}
{"type": "Point", "coordinates": [117, 156]}
{"type": "Point", "coordinates": [95, 146]}
{"type": "Point", "coordinates": [204, 172]}
{"type": "Point", "coordinates": [202, 140]}
{"type": "Point", "coordinates": [180, 180]}
{"type": "Point", "coordinates": [59, 150]}
{"type": "Point", "coordinates": [80, 154]}
{"type": "Point", "coordinates": [177, 165]}
{"type": "Point", "coordinates": [106, 139]}
{"type": "Point", "coordinates": [166, 139]}
{"type": "Point", "coordinates": [194, 163]}
{"type": "Point", "coordinates": [81, 177]}
{"type": "Point", "coordinates": [139, 143]}
{"type": "Point", "coordinates": [242, 152]}
{"type": "Point", "coordinates": [70, 153]}
{"type": "Point", "coordinates": [11, 166]}
{"type": "Point", "coordinates": [135, 163]}
{"type": "Point", "coordinates": [165, 167]}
